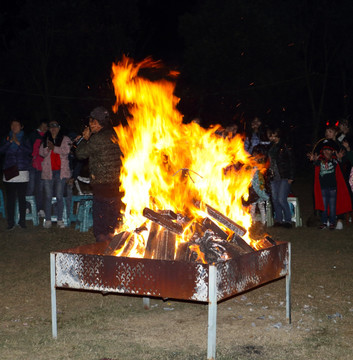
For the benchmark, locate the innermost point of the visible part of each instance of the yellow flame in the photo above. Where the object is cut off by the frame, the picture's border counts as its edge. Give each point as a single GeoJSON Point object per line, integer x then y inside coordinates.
{"type": "Point", "coordinates": [171, 165]}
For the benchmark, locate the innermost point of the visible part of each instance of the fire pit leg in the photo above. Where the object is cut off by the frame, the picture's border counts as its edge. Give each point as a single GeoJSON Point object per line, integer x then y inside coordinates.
{"type": "Point", "coordinates": [212, 312]}
{"type": "Point", "coordinates": [146, 303]}
{"type": "Point", "coordinates": [288, 286]}
{"type": "Point", "coordinates": [53, 297]}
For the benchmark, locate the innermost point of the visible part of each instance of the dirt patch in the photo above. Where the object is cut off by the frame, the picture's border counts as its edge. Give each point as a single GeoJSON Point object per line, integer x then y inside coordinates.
{"type": "Point", "coordinates": [250, 326]}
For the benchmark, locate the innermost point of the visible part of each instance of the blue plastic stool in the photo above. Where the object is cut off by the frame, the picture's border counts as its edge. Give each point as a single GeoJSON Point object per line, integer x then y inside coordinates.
{"type": "Point", "coordinates": [33, 214]}
{"type": "Point", "coordinates": [75, 205]}
{"type": "Point", "coordinates": [84, 219]}
{"type": "Point", "coordinates": [2, 204]}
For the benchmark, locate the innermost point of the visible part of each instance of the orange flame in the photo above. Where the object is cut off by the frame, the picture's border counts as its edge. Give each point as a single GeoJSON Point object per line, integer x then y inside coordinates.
{"type": "Point", "coordinates": [171, 165]}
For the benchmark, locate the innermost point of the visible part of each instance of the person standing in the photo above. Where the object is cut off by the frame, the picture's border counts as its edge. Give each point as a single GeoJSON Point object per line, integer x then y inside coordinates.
{"type": "Point", "coordinates": [255, 135]}
{"type": "Point", "coordinates": [17, 150]}
{"type": "Point", "coordinates": [35, 185]}
{"type": "Point", "coordinates": [330, 190]}
{"type": "Point", "coordinates": [100, 146]}
{"type": "Point", "coordinates": [55, 150]}
{"type": "Point", "coordinates": [281, 173]}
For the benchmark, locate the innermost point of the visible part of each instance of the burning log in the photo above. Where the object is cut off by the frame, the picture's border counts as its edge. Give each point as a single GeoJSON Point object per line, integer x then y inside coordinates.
{"type": "Point", "coordinates": [230, 224]}
{"type": "Point", "coordinates": [216, 249]}
{"type": "Point", "coordinates": [152, 241]}
{"type": "Point", "coordinates": [270, 240]}
{"type": "Point", "coordinates": [166, 246]}
{"type": "Point", "coordinates": [117, 242]}
{"type": "Point", "coordinates": [183, 252]}
{"type": "Point", "coordinates": [163, 221]}
{"type": "Point", "coordinates": [239, 241]}
{"type": "Point", "coordinates": [209, 224]}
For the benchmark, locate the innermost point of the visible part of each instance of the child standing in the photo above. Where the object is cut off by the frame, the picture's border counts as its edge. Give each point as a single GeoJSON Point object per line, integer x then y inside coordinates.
{"type": "Point", "coordinates": [330, 190]}
{"type": "Point", "coordinates": [257, 191]}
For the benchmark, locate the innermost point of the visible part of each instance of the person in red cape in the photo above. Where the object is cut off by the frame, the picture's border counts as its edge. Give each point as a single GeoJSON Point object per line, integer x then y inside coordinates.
{"type": "Point", "coordinates": [330, 189]}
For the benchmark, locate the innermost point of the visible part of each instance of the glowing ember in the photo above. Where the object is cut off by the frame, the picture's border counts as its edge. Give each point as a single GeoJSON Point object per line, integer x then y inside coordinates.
{"type": "Point", "coordinates": [169, 165]}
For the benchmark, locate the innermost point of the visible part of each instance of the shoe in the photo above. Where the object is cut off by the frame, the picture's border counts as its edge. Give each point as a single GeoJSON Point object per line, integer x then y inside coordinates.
{"type": "Point", "coordinates": [277, 224]}
{"type": "Point", "coordinates": [85, 180]}
{"type": "Point", "coordinates": [339, 225]}
{"type": "Point", "coordinates": [332, 227]}
{"type": "Point", "coordinates": [323, 227]}
{"type": "Point", "coordinates": [287, 225]}
{"type": "Point", "coordinates": [10, 227]}
{"type": "Point", "coordinates": [47, 224]}
{"type": "Point", "coordinates": [61, 224]}
{"type": "Point", "coordinates": [41, 213]}
{"type": "Point", "coordinates": [22, 226]}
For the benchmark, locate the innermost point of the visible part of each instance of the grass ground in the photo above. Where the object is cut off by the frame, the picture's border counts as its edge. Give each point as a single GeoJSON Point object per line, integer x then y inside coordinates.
{"type": "Point", "coordinates": [250, 326]}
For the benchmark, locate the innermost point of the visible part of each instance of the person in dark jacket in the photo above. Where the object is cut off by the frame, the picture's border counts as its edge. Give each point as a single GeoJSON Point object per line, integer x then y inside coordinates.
{"type": "Point", "coordinates": [17, 150]}
{"type": "Point", "coordinates": [281, 171]}
{"type": "Point", "coordinates": [100, 145]}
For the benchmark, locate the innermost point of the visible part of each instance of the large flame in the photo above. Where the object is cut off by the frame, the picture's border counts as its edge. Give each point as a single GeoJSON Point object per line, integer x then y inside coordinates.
{"type": "Point", "coordinates": [171, 165]}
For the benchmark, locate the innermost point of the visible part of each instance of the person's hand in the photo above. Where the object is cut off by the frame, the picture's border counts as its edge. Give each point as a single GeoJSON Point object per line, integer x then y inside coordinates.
{"type": "Point", "coordinates": [86, 133]}
{"type": "Point", "coordinates": [345, 143]}
{"type": "Point", "coordinates": [50, 145]}
{"type": "Point", "coordinates": [14, 139]}
{"type": "Point", "coordinates": [340, 154]}
{"type": "Point", "coordinates": [312, 156]}
{"type": "Point", "coordinates": [290, 181]}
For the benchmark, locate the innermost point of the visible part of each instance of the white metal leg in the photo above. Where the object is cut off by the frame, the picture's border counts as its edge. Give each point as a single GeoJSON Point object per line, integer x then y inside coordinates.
{"type": "Point", "coordinates": [212, 313]}
{"type": "Point", "coordinates": [288, 286]}
{"type": "Point", "coordinates": [146, 303]}
{"type": "Point", "coordinates": [53, 297]}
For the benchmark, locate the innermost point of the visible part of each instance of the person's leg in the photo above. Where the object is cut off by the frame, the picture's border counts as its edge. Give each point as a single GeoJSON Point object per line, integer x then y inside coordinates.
{"type": "Point", "coordinates": [48, 194]}
{"type": "Point", "coordinates": [32, 181]}
{"type": "Point", "coordinates": [10, 189]}
{"type": "Point", "coordinates": [275, 186]}
{"type": "Point", "coordinates": [21, 193]}
{"type": "Point", "coordinates": [332, 195]}
{"type": "Point", "coordinates": [59, 194]}
{"type": "Point", "coordinates": [39, 190]}
{"type": "Point", "coordinates": [325, 195]}
{"type": "Point", "coordinates": [284, 189]}
{"type": "Point", "coordinates": [106, 212]}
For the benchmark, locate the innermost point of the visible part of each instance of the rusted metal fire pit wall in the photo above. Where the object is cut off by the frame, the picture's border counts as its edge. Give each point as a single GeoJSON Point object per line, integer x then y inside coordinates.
{"type": "Point", "coordinates": [84, 269]}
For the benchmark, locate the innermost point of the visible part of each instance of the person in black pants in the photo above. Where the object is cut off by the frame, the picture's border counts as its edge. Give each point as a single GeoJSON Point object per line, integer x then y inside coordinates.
{"type": "Point", "coordinates": [17, 149]}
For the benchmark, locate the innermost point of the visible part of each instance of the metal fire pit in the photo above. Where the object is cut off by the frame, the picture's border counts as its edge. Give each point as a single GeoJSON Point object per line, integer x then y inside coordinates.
{"type": "Point", "coordinates": [84, 268]}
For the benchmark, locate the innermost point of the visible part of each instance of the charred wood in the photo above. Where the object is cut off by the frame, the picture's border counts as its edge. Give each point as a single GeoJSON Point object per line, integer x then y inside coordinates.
{"type": "Point", "coordinates": [239, 241]}
{"type": "Point", "coordinates": [117, 242]}
{"type": "Point", "coordinates": [163, 221]}
{"type": "Point", "coordinates": [270, 240]}
{"type": "Point", "coordinates": [209, 224]}
{"type": "Point", "coordinates": [230, 224]}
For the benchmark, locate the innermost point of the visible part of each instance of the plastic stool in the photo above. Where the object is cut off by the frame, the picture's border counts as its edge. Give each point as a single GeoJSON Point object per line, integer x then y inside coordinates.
{"type": "Point", "coordinates": [75, 200]}
{"type": "Point", "coordinates": [2, 204]}
{"type": "Point", "coordinates": [54, 216]}
{"type": "Point", "coordinates": [33, 214]}
{"type": "Point", "coordinates": [295, 209]}
{"type": "Point", "coordinates": [84, 215]}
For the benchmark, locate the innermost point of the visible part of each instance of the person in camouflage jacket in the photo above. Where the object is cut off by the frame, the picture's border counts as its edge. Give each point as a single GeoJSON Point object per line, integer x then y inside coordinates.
{"type": "Point", "coordinates": [100, 145]}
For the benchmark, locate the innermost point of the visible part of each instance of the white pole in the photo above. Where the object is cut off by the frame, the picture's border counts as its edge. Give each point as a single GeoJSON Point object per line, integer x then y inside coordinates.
{"type": "Point", "coordinates": [212, 312]}
{"type": "Point", "coordinates": [53, 297]}
{"type": "Point", "coordinates": [288, 286]}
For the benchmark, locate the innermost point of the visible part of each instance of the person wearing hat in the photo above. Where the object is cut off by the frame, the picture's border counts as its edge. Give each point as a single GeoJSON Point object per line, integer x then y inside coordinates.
{"type": "Point", "coordinates": [55, 150]}
{"type": "Point", "coordinates": [100, 145]}
{"type": "Point", "coordinates": [330, 190]}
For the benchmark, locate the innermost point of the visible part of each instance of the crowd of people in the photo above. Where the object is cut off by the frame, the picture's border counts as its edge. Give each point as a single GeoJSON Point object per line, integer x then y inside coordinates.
{"type": "Point", "coordinates": [46, 163]}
